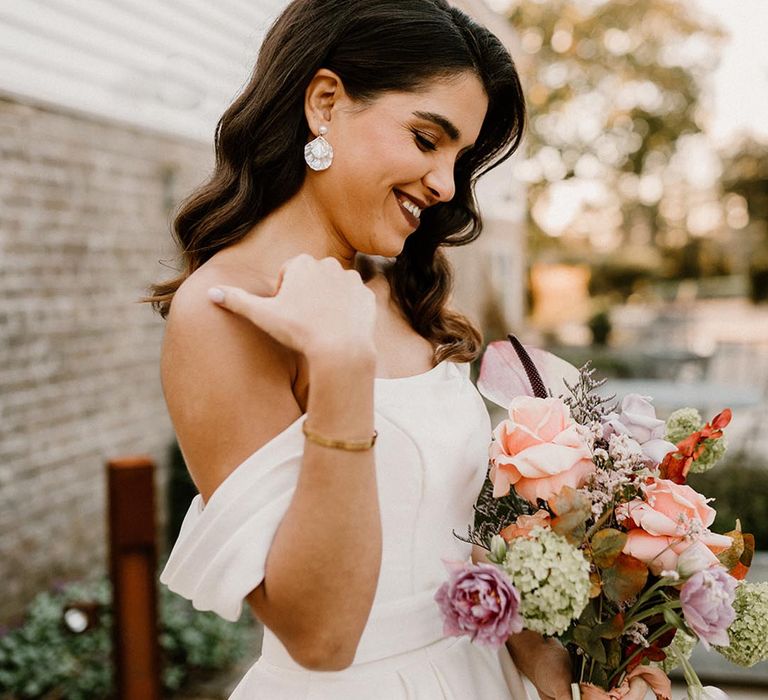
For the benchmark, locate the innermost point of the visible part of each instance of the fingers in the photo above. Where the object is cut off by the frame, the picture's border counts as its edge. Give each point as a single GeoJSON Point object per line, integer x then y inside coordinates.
{"type": "Point", "coordinates": [637, 689]}
{"type": "Point", "coordinates": [239, 301]}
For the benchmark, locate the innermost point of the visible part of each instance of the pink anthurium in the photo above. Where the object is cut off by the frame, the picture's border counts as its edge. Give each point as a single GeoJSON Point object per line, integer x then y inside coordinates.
{"type": "Point", "coordinates": [502, 375]}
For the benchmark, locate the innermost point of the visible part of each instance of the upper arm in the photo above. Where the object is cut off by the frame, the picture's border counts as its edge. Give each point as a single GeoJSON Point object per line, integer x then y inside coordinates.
{"type": "Point", "coordinates": [226, 382]}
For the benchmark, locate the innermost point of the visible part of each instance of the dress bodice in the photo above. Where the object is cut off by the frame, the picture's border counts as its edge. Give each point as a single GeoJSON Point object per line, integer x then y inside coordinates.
{"type": "Point", "coordinates": [431, 459]}
{"type": "Point", "coordinates": [431, 456]}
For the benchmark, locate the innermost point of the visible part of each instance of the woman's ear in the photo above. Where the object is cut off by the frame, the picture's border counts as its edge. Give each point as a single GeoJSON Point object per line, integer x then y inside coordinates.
{"type": "Point", "coordinates": [324, 93]}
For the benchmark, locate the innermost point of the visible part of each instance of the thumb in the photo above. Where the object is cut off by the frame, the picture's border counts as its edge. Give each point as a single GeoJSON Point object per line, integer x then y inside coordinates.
{"type": "Point", "coordinates": [251, 306]}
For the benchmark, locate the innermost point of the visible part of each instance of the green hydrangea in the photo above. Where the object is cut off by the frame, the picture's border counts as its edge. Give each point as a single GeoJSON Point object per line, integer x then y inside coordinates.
{"type": "Point", "coordinates": [552, 577]}
{"type": "Point", "coordinates": [683, 644]}
{"type": "Point", "coordinates": [681, 424]}
{"type": "Point", "coordinates": [713, 453]}
{"type": "Point", "coordinates": [748, 633]}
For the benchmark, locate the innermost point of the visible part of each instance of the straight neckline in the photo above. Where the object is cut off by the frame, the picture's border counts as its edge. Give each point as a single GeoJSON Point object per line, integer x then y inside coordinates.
{"type": "Point", "coordinates": [421, 375]}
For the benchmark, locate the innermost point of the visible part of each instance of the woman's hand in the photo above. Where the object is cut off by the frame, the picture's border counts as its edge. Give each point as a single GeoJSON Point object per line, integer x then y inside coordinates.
{"type": "Point", "coordinates": [318, 306]}
{"type": "Point", "coordinates": [547, 665]}
{"type": "Point", "coordinates": [545, 662]}
{"type": "Point", "coordinates": [638, 689]}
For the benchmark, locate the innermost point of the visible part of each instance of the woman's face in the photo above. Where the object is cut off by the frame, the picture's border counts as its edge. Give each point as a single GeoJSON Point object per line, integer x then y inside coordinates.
{"type": "Point", "coordinates": [391, 156]}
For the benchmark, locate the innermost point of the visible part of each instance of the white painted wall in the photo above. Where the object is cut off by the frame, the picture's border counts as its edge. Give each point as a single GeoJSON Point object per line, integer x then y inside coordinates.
{"type": "Point", "coordinates": [164, 65]}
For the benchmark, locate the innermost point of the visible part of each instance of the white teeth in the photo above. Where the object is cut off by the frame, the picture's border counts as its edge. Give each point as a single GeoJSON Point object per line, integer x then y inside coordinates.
{"type": "Point", "coordinates": [410, 206]}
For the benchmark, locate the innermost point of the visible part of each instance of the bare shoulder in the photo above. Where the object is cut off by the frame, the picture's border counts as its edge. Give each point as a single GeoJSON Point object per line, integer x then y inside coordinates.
{"type": "Point", "coordinates": [227, 383]}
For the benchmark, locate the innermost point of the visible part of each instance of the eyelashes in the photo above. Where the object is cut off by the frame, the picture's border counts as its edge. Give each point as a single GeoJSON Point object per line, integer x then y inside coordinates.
{"type": "Point", "coordinates": [424, 143]}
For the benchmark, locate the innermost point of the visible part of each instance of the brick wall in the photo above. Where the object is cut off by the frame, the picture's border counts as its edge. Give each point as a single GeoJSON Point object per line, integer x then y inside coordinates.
{"type": "Point", "coordinates": [84, 217]}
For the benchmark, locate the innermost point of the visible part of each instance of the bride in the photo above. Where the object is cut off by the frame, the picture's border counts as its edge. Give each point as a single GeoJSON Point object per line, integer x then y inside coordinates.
{"type": "Point", "coordinates": [315, 375]}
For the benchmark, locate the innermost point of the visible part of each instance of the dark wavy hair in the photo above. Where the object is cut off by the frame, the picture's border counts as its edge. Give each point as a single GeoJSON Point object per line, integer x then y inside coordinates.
{"type": "Point", "coordinates": [374, 46]}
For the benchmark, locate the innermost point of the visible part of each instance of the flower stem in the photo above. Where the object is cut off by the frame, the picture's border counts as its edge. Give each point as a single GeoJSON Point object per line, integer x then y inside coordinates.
{"type": "Point", "coordinates": [655, 610]}
{"type": "Point", "coordinates": [658, 633]}
{"type": "Point", "coordinates": [647, 594]}
{"type": "Point", "coordinates": [599, 523]}
{"type": "Point", "coordinates": [691, 677]}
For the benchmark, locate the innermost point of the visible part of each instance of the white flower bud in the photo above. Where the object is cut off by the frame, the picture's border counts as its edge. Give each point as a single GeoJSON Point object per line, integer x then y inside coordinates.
{"type": "Point", "coordinates": [695, 558]}
{"type": "Point", "coordinates": [498, 549]}
{"type": "Point", "coordinates": [708, 692]}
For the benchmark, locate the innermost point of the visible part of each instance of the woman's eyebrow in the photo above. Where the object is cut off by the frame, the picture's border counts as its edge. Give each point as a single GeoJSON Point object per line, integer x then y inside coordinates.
{"type": "Point", "coordinates": [443, 122]}
{"type": "Point", "coordinates": [446, 125]}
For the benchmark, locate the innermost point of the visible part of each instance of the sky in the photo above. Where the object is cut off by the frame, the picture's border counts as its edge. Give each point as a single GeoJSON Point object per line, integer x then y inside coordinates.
{"type": "Point", "coordinates": [740, 83]}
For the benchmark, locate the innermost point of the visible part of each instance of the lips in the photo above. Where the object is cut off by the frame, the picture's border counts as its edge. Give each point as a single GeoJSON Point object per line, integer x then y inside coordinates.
{"type": "Point", "coordinates": [409, 208]}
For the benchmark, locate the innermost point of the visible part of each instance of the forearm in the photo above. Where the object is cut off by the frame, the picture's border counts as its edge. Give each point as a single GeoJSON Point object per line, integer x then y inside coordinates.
{"type": "Point", "coordinates": [323, 565]}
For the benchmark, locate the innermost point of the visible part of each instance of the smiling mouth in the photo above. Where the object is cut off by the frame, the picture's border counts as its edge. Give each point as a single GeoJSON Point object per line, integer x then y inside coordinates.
{"type": "Point", "coordinates": [410, 210]}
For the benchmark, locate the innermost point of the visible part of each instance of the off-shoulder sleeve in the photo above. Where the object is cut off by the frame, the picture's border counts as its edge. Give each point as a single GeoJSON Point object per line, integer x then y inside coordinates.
{"type": "Point", "coordinates": [222, 547]}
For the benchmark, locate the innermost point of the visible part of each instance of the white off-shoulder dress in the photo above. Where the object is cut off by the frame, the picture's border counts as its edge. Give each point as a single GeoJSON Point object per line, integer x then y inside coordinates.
{"type": "Point", "coordinates": [431, 457]}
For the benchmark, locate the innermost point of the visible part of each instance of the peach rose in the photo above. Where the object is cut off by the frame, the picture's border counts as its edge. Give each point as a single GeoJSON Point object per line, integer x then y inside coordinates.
{"type": "Point", "coordinates": [538, 450]}
{"type": "Point", "coordinates": [524, 524]}
{"type": "Point", "coordinates": [667, 521]}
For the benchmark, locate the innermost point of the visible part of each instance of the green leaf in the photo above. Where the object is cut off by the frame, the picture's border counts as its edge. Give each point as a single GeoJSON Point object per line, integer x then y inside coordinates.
{"type": "Point", "coordinates": [624, 579]}
{"type": "Point", "coordinates": [611, 629]}
{"type": "Point", "coordinates": [672, 618]}
{"type": "Point", "coordinates": [607, 545]}
{"type": "Point", "coordinates": [614, 653]}
{"type": "Point", "coordinates": [730, 557]}
{"type": "Point", "coordinates": [589, 616]}
{"type": "Point", "coordinates": [572, 510]}
{"type": "Point", "coordinates": [587, 640]}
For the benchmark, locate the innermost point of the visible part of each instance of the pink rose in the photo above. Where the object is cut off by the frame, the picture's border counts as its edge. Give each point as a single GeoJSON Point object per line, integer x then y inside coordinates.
{"type": "Point", "coordinates": [479, 601]}
{"type": "Point", "coordinates": [538, 450]}
{"type": "Point", "coordinates": [669, 519]}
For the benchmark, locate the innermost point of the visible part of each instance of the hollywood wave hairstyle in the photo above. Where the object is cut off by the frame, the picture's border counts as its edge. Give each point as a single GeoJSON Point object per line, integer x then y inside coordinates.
{"type": "Point", "coordinates": [375, 47]}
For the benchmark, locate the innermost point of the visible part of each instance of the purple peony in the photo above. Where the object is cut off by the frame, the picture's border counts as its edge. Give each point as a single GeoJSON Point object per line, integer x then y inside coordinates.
{"type": "Point", "coordinates": [638, 420]}
{"type": "Point", "coordinates": [480, 601]}
{"type": "Point", "coordinates": [707, 600]}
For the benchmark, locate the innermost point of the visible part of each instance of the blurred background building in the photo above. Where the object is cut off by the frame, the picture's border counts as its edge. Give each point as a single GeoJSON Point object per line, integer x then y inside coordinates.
{"type": "Point", "coordinates": [107, 111]}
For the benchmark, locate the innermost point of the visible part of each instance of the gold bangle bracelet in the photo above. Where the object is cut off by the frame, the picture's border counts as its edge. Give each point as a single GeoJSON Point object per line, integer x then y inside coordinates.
{"type": "Point", "coordinates": [353, 445]}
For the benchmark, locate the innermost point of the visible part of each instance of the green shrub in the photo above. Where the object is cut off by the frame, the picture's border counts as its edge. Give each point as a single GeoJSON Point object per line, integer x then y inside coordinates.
{"type": "Point", "coordinates": [42, 657]}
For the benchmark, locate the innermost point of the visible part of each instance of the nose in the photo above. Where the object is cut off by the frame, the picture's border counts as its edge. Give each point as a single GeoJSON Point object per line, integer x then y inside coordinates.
{"type": "Point", "coordinates": [440, 181]}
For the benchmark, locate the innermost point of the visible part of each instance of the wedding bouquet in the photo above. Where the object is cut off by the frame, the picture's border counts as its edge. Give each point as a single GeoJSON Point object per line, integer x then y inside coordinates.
{"type": "Point", "coordinates": [594, 537]}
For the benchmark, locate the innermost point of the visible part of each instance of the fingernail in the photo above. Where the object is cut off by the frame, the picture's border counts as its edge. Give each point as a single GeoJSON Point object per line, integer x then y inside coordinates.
{"type": "Point", "coordinates": [215, 294]}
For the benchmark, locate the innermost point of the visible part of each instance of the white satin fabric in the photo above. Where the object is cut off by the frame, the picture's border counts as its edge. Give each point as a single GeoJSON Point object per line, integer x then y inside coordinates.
{"type": "Point", "coordinates": [431, 456]}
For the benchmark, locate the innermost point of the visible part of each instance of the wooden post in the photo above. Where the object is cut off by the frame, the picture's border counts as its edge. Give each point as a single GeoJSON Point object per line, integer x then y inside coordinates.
{"type": "Point", "coordinates": [133, 568]}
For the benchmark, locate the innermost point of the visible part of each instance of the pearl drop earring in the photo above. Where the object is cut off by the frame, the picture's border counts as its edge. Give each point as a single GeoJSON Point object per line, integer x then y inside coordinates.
{"type": "Point", "coordinates": [319, 153]}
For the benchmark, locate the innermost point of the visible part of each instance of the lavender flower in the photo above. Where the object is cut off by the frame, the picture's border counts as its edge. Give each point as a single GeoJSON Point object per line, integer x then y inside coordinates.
{"type": "Point", "coordinates": [707, 601]}
{"type": "Point", "coordinates": [638, 420]}
{"type": "Point", "coordinates": [480, 601]}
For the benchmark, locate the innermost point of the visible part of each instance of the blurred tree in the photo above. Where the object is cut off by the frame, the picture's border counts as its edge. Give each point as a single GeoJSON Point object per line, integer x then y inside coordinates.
{"type": "Point", "coordinates": [612, 87]}
{"type": "Point", "coordinates": [745, 182]}
{"type": "Point", "coordinates": [745, 172]}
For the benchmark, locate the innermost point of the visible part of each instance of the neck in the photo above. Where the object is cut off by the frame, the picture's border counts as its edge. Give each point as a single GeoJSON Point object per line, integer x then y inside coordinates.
{"type": "Point", "coordinates": [300, 225]}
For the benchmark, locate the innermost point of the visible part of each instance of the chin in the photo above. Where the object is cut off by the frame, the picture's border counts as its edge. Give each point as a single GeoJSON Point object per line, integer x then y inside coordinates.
{"type": "Point", "coordinates": [389, 246]}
